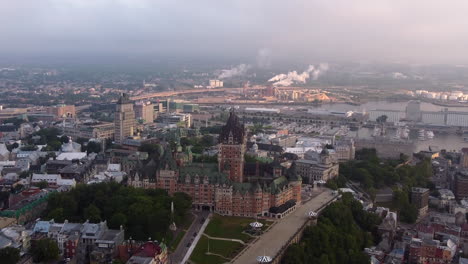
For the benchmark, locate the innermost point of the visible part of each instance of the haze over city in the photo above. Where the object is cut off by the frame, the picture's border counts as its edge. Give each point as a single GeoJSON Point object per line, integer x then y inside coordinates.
{"type": "Point", "coordinates": [244, 132]}
{"type": "Point", "coordinates": [418, 31]}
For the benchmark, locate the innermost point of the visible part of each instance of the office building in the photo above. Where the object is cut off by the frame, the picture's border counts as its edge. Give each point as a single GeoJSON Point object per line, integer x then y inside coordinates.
{"type": "Point", "coordinates": [183, 120]}
{"type": "Point", "coordinates": [144, 111]}
{"type": "Point", "coordinates": [124, 119]}
{"type": "Point", "coordinates": [62, 111]}
{"type": "Point", "coordinates": [315, 166]}
{"type": "Point", "coordinates": [215, 84]}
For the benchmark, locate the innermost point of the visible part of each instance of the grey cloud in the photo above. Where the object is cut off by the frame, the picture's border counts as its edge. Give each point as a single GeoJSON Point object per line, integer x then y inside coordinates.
{"type": "Point", "coordinates": [387, 30]}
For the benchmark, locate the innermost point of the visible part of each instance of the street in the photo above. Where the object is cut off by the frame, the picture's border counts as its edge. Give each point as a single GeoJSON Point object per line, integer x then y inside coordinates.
{"type": "Point", "coordinates": [178, 255]}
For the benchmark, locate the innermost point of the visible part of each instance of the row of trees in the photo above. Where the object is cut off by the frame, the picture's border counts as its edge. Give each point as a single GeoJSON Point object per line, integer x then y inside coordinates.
{"type": "Point", "coordinates": [143, 213]}
{"type": "Point", "coordinates": [342, 232]}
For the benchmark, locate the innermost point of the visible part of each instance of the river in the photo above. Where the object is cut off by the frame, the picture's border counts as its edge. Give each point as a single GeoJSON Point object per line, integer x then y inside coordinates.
{"type": "Point", "coordinates": [443, 141]}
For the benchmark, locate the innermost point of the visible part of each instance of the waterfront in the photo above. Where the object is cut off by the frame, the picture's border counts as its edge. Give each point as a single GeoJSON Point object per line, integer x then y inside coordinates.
{"type": "Point", "coordinates": [448, 141]}
{"type": "Point", "coordinates": [382, 105]}
{"type": "Point", "coordinates": [441, 140]}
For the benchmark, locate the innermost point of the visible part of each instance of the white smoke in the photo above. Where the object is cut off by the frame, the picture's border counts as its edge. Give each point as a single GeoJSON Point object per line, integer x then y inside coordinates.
{"type": "Point", "coordinates": [294, 77]}
{"type": "Point", "coordinates": [238, 70]}
{"type": "Point", "coordinates": [399, 76]}
{"type": "Point", "coordinates": [322, 68]}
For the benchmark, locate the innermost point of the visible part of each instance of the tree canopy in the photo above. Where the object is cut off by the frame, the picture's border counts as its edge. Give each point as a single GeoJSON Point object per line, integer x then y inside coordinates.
{"type": "Point", "coordinates": [342, 232]}
{"type": "Point", "coordinates": [143, 213]}
{"type": "Point", "coordinates": [373, 173]}
{"type": "Point", "coordinates": [45, 250]}
{"type": "Point", "coordinates": [9, 255]}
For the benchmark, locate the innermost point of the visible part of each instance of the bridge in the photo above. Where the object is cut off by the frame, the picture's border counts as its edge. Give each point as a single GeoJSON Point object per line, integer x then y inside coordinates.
{"type": "Point", "coordinates": [285, 232]}
{"type": "Point", "coordinates": [182, 92]}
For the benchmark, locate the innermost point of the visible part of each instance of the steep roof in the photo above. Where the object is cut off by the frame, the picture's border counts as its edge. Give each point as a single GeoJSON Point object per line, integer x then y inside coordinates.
{"type": "Point", "coordinates": [124, 99]}
{"type": "Point", "coordinates": [232, 128]}
{"type": "Point", "coordinates": [3, 150]}
{"type": "Point", "coordinates": [278, 184]}
{"type": "Point", "coordinates": [167, 162]}
{"type": "Point", "coordinates": [203, 170]}
{"type": "Point", "coordinates": [291, 173]}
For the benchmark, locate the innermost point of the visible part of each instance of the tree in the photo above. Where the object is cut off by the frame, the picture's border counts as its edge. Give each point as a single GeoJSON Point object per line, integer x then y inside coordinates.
{"type": "Point", "coordinates": [57, 215]}
{"type": "Point", "coordinates": [381, 119]}
{"type": "Point", "coordinates": [18, 188]}
{"type": "Point", "coordinates": [152, 149]}
{"type": "Point", "coordinates": [42, 185]}
{"type": "Point", "coordinates": [24, 174]}
{"type": "Point", "coordinates": [64, 139]}
{"type": "Point", "coordinates": [409, 213]}
{"type": "Point", "coordinates": [53, 145]}
{"type": "Point", "coordinates": [9, 255]}
{"type": "Point", "coordinates": [93, 147]}
{"type": "Point", "coordinates": [143, 213]}
{"type": "Point", "coordinates": [117, 220]}
{"type": "Point", "coordinates": [92, 213]}
{"type": "Point", "coordinates": [29, 148]}
{"type": "Point", "coordinates": [45, 250]}
{"type": "Point", "coordinates": [341, 234]}
{"type": "Point", "coordinates": [12, 146]}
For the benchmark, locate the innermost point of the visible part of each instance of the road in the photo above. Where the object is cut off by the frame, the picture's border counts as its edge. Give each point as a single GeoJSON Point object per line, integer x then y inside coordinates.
{"type": "Point", "coordinates": [272, 241]}
{"type": "Point", "coordinates": [174, 93]}
{"type": "Point", "coordinates": [181, 251]}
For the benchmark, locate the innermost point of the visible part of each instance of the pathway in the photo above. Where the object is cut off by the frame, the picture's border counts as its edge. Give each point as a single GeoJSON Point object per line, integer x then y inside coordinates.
{"type": "Point", "coordinates": [272, 241]}
{"type": "Point", "coordinates": [225, 239]}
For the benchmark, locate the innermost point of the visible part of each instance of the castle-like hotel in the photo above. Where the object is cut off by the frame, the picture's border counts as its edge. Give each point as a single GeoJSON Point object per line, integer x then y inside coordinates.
{"type": "Point", "coordinates": [231, 187]}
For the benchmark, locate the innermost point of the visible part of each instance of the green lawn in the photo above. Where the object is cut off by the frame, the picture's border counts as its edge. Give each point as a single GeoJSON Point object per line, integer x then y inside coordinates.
{"type": "Point", "coordinates": [177, 240]}
{"type": "Point", "coordinates": [230, 227]}
{"type": "Point", "coordinates": [224, 248]}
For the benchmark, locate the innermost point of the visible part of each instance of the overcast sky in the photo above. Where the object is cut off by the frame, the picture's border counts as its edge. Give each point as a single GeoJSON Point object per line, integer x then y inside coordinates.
{"type": "Point", "coordinates": [417, 31]}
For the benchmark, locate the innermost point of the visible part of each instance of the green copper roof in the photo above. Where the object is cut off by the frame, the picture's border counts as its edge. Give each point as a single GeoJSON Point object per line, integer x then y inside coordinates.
{"type": "Point", "coordinates": [278, 184]}
{"type": "Point", "coordinates": [203, 170]}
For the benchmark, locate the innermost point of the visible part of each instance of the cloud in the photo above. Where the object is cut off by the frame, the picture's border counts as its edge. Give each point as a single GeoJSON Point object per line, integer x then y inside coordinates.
{"type": "Point", "coordinates": [303, 30]}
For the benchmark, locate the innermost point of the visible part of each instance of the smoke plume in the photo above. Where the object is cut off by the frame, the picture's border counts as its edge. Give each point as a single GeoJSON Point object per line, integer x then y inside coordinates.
{"type": "Point", "coordinates": [294, 77]}
{"type": "Point", "coordinates": [238, 70]}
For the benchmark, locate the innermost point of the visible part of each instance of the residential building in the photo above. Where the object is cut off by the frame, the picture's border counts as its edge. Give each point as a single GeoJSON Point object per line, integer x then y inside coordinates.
{"type": "Point", "coordinates": [420, 198]}
{"type": "Point", "coordinates": [461, 184]}
{"type": "Point", "coordinates": [426, 251]}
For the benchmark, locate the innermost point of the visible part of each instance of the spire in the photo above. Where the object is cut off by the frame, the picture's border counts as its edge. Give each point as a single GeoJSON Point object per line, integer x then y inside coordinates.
{"type": "Point", "coordinates": [291, 173]}
{"type": "Point", "coordinates": [233, 128]}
